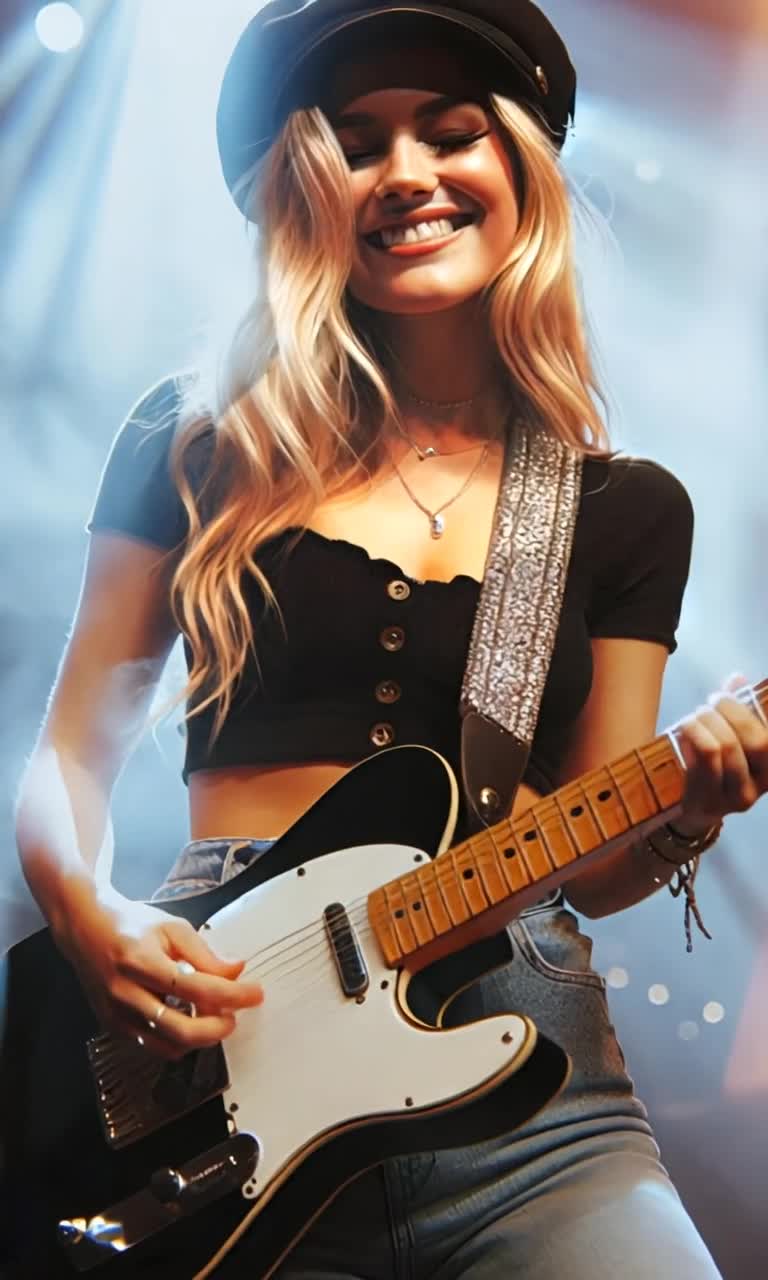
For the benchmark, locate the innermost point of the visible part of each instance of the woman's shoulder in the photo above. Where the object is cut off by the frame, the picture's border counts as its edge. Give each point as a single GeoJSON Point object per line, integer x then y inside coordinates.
{"type": "Point", "coordinates": [137, 493]}
{"type": "Point", "coordinates": [633, 490]}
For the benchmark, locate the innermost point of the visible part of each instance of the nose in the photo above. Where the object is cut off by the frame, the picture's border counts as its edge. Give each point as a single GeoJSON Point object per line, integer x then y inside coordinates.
{"type": "Point", "coordinates": [407, 172]}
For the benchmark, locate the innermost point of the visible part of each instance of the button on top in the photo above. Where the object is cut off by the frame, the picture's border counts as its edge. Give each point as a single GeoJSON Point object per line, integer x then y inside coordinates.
{"type": "Point", "coordinates": [388, 691]}
{"type": "Point", "coordinates": [382, 735]}
{"type": "Point", "coordinates": [398, 590]}
{"type": "Point", "coordinates": [392, 639]}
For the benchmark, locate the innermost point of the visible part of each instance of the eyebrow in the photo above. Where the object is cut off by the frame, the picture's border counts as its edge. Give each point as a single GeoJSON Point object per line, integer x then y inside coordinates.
{"type": "Point", "coordinates": [434, 107]}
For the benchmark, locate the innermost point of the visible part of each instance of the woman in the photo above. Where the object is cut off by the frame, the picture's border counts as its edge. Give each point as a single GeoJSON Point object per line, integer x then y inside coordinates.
{"type": "Point", "coordinates": [418, 305]}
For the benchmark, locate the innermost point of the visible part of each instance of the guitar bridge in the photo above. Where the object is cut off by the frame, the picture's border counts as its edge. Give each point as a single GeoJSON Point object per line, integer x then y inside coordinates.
{"type": "Point", "coordinates": [137, 1094]}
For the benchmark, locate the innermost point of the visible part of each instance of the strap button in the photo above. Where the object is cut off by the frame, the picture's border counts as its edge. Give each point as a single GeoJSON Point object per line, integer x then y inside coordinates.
{"type": "Point", "coordinates": [398, 590]}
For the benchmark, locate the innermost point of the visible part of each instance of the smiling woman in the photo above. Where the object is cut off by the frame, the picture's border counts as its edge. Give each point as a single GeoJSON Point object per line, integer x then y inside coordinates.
{"type": "Point", "coordinates": [318, 528]}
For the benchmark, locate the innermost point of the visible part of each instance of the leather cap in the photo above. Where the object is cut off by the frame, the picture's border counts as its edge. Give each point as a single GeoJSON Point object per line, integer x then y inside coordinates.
{"type": "Point", "coordinates": [285, 56]}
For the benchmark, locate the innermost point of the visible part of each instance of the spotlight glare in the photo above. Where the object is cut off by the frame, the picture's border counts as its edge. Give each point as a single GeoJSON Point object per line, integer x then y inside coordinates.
{"type": "Point", "coordinates": [688, 1030]}
{"type": "Point", "coordinates": [658, 993]}
{"type": "Point", "coordinates": [648, 170]}
{"type": "Point", "coordinates": [617, 977]}
{"type": "Point", "coordinates": [713, 1011]}
{"type": "Point", "coordinates": [59, 27]}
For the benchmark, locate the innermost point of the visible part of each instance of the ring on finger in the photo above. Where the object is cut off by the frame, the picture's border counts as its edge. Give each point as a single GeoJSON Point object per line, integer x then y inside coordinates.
{"type": "Point", "coordinates": [160, 1012]}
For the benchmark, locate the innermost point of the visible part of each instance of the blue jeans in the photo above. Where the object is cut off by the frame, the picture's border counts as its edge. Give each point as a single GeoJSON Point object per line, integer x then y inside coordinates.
{"type": "Point", "coordinates": [578, 1193]}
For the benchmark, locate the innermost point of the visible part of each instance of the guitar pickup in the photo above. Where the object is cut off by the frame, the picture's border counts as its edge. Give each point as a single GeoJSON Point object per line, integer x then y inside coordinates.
{"type": "Point", "coordinates": [350, 964]}
{"type": "Point", "coordinates": [171, 1194]}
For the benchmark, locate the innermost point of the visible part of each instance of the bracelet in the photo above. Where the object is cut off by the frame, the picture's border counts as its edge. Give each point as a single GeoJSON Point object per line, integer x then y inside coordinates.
{"type": "Point", "coordinates": [668, 844]}
{"type": "Point", "coordinates": [665, 840]}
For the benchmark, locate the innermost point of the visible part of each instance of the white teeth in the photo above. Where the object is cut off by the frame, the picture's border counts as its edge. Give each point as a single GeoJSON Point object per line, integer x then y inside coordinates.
{"type": "Point", "coordinates": [421, 231]}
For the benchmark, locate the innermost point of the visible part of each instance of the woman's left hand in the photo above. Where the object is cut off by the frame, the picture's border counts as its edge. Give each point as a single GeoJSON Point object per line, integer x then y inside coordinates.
{"type": "Point", "coordinates": [725, 747]}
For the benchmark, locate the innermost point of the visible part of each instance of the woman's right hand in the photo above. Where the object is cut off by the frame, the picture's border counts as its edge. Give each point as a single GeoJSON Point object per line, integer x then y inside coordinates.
{"type": "Point", "coordinates": [128, 957]}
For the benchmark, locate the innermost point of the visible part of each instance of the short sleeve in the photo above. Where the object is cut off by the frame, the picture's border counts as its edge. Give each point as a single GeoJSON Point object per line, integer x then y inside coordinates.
{"type": "Point", "coordinates": [643, 554]}
{"type": "Point", "coordinates": [137, 494]}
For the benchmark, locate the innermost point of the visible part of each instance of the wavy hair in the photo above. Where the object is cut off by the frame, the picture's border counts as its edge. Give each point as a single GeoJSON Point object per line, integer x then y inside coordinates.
{"type": "Point", "coordinates": [302, 398]}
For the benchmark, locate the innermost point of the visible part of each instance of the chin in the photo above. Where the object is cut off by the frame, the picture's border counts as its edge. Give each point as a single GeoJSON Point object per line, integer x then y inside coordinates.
{"type": "Point", "coordinates": [415, 302]}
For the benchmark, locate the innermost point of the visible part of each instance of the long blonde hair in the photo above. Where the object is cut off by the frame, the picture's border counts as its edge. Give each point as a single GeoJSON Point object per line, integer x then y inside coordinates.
{"type": "Point", "coordinates": [302, 398]}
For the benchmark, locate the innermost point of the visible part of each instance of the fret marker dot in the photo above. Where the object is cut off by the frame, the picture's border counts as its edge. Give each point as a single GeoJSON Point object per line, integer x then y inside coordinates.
{"type": "Point", "coordinates": [577, 811]}
{"type": "Point", "coordinates": [416, 906]}
{"type": "Point", "coordinates": [604, 795]}
{"type": "Point", "coordinates": [399, 913]}
{"type": "Point", "coordinates": [529, 836]}
{"type": "Point", "coordinates": [468, 873]}
{"type": "Point", "coordinates": [510, 853]}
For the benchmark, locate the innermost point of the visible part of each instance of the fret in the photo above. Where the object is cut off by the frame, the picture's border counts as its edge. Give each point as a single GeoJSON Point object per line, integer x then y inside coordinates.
{"type": "Point", "coordinates": [469, 879]}
{"type": "Point", "coordinates": [554, 835]}
{"type": "Point", "coordinates": [664, 772]}
{"type": "Point", "coordinates": [639, 798]}
{"type": "Point", "coordinates": [451, 889]}
{"type": "Point", "coordinates": [432, 897]}
{"type": "Point", "coordinates": [488, 860]}
{"type": "Point", "coordinates": [397, 909]}
{"type": "Point", "coordinates": [418, 917]}
{"type": "Point", "coordinates": [511, 861]}
{"type": "Point", "coordinates": [496, 865]}
{"type": "Point", "coordinates": [582, 828]}
{"type": "Point", "coordinates": [532, 849]}
{"type": "Point", "coordinates": [601, 798]}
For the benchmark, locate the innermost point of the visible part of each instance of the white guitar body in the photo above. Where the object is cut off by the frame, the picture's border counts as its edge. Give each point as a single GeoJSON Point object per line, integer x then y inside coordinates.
{"type": "Point", "coordinates": [311, 1060]}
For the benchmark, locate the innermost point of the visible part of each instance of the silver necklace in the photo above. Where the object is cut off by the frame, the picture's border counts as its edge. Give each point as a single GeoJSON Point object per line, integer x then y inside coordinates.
{"type": "Point", "coordinates": [430, 451]}
{"type": "Point", "coordinates": [436, 520]}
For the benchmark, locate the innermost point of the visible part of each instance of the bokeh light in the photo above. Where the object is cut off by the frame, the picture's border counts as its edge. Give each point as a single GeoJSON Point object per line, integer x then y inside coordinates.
{"type": "Point", "coordinates": [59, 27]}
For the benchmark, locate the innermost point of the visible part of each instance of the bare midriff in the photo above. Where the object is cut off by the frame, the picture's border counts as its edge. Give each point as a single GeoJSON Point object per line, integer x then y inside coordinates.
{"type": "Point", "coordinates": [260, 803]}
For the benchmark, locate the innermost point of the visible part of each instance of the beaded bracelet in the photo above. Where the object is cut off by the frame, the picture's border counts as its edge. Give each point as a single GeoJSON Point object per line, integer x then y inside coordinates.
{"type": "Point", "coordinates": [665, 840]}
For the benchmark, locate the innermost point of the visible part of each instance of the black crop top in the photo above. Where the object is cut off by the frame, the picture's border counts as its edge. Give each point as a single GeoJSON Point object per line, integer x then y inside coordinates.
{"type": "Point", "coordinates": [370, 657]}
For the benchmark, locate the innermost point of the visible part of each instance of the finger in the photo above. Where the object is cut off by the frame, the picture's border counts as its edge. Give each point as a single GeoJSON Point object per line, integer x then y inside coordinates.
{"type": "Point", "coordinates": [725, 785]}
{"type": "Point", "coordinates": [752, 735]}
{"type": "Point", "coordinates": [210, 994]}
{"type": "Point", "coordinates": [188, 945]}
{"type": "Point", "coordinates": [137, 1012]}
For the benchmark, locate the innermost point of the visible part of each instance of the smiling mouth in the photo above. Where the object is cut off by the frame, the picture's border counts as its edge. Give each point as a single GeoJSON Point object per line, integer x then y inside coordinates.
{"type": "Point", "coordinates": [420, 232]}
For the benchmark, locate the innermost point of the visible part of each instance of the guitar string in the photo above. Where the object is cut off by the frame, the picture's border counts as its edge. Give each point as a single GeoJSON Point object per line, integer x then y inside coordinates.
{"type": "Point", "coordinates": [316, 934]}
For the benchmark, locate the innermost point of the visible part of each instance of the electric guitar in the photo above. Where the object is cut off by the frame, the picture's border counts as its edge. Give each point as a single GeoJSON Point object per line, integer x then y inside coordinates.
{"type": "Point", "coordinates": [115, 1159]}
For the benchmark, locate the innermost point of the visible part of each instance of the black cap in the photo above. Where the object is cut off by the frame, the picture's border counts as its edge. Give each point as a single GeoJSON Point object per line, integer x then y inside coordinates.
{"type": "Point", "coordinates": [270, 72]}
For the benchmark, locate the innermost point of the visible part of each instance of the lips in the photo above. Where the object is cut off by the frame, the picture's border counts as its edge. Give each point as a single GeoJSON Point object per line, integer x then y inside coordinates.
{"type": "Point", "coordinates": [427, 230]}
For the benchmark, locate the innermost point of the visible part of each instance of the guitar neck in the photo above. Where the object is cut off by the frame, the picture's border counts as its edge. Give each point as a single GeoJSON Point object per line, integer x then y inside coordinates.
{"type": "Point", "coordinates": [478, 886]}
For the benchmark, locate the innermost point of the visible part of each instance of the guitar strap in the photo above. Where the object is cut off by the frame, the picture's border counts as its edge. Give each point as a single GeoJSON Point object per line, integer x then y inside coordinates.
{"type": "Point", "coordinates": [517, 618]}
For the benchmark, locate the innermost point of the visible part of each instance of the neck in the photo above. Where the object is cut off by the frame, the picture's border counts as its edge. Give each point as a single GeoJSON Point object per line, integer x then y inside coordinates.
{"type": "Point", "coordinates": [445, 358]}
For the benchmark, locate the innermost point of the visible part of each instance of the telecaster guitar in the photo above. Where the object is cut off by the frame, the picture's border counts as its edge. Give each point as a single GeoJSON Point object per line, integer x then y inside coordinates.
{"type": "Point", "coordinates": [156, 1169]}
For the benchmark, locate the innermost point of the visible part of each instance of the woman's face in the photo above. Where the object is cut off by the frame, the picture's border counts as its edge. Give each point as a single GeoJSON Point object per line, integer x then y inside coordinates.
{"type": "Point", "coordinates": [434, 195]}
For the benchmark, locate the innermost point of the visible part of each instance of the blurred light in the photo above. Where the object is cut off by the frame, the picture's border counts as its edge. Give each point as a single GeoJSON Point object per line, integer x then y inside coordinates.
{"type": "Point", "coordinates": [648, 170]}
{"type": "Point", "coordinates": [688, 1030]}
{"type": "Point", "coordinates": [658, 993]}
{"type": "Point", "coordinates": [59, 27]}
{"type": "Point", "coordinates": [713, 1011]}
{"type": "Point", "coordinates": [617, 977]}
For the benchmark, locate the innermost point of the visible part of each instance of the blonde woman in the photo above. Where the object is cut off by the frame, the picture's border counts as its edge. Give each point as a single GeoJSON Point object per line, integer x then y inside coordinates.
{"type": "Point", "coordinates": [319, 533]}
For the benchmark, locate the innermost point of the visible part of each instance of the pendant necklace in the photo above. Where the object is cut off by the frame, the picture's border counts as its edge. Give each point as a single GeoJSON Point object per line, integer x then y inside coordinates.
{"type": "Point", "coordinates": [436, 518]}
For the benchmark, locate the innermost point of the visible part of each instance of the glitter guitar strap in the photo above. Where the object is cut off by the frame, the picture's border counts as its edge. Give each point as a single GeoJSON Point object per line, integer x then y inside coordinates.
{"type": "Point", "coordinates": [517, 618]}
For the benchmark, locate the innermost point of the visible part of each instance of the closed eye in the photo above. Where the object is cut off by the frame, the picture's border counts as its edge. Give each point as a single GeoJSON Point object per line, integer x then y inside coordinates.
{"type": "Point", "coordinates": [441, 146]}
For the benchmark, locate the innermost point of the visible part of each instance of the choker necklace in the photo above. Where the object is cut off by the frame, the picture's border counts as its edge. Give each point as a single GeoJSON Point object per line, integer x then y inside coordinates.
{"type": "Point", "coordinates": [441, 404]}
{"type": "Point", "coordinates": [436, 519]}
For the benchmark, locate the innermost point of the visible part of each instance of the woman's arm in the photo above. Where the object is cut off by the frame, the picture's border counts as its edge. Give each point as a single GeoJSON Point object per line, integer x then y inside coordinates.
{"type": "Point", "coordinates": [125, 954]}
{"type": "Point", "coordinates": [122, 634]}
{"type": "Point", "coordinates": [619, 716]}
{"type": "Point", "coordinates": [724, 745]}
